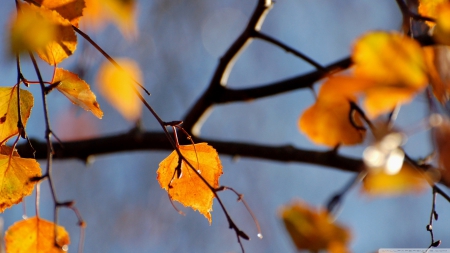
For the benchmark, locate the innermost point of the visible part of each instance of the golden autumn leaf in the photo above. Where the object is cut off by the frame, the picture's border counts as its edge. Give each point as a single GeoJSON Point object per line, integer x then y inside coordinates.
{"type": "Point", "coordinates": [77, 91]}
{"type": "Point", "coordinates": [15, 174]}
{"type": "Point", "coordinates": [407, 180]}
{"type": "Point", "coordinates": [122, 13]}
{"type": "Point", "coordinates": [36, 235]}
{"type": "Point", "coordinates": [71, 10]}
{"type": "Point", "coordinates": [438, 63]}
{"type": "Point", "coordinates": [441, 32]}
{"type": "Point", "coordinates": [118, 87]}
{"type": "Point", "coordinates": [56, 39]}
{"type": "Point", "coordinates": [9, 114]}
{"type": "Point", "coordinates": [441, 136]}
{"type": "Point", "coordinates": [396, 66]}
{"type": "Point", "coordinates": [189, 189]}
{"type": "Point", "coordinates": [327, 122]}
{"type": "Point", "coordinates": [428, 8]}
{"type": "Point", "coordinates": [313, 230]}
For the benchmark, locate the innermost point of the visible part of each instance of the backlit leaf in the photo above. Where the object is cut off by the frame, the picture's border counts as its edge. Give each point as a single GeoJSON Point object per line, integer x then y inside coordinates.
{"type": "Point", "coordinates": [118, 88]}
{"type": "Point", "coordinates": [396, 66]}
{"type": "Point", "coordinates": [121, 12]}
{"type": "Point", "coordinates": [77, 91]}
{"type": "Point", "coordinates": [438, 63]}
{"type": "Point", "coordinates": [441, 32]}
{"type": "Point", "coordinates": [428, 8]}
{"type": "Point", "coordinates": [15, 175]}
{"type": "Point", "coordinates": [327, 122]}
{"type": "Point", "coordinates": [36, 235]}
{"type": "Point", "coordinates": [407, 180]}
{"type": "Point", "coordinates": [57, 41]}
{"type": "Point", "coordinates": [441, 136]}
{"type": "Point", "coordinates": [189, 189]}
{"type": "Point", "coordinates": [9, 115]}
{"type": "Point", "coordinates": [313, 229]}
{"type": "Point", "coordinates": [71, 10]}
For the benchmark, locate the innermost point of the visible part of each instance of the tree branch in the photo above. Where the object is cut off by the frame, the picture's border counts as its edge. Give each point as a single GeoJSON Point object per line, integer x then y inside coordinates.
{"type": "Point", "coordinates": [133, 141]}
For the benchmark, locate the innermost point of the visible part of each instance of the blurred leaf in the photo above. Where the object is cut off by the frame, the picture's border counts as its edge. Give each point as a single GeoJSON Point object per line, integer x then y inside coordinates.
{"type": "Point", "coordinates": [407, 180]}
{"type": "Point", "coordinates": [327, 122]}
{"type": "Point", "coordinates": [121, 12]}
{"type": "Point", "coordinates": [9, 114]}
{"type": "Point", "coordinates": [428, 8]}
{"type": "Point", "coordinates": [15, 174]}
{"type": "Point", "coordinates": [77, 91]}
{"type": "Point", "coordinates": [314, 230]}
{"type": "Point", "coordinates": [441, 136]}
{"type": "Point", "coordinates": [118, 87]}
{"type": "Point", "coordinates": [35, 235]}
{"type": "Point", "coordinates": [71, 10]}
{"type": "Point", "coordinates": [438, 63]}
{"type": "Point", "coordinates": [396, 66]}
{"type": "Point", "coordinates": [189, 189]}
{"type": "Point", "coordinates": [441, 32]}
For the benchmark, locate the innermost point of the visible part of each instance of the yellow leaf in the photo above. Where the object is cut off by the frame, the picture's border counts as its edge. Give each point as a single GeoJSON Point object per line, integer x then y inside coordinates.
{"type": "Point", "coordinates": [327, 122]}
{"type": "Point", "coordinates": [15, 174]}
{"type": "Point", "coordinates": [9, 114]}
{"type": "Point", "coordinates": [428, 8]}
{"type": "Point", "coordinates": [119, 89]}
{"type": "Point", "coordinates": [77, 91]}
{"type": "Point", "coordinates": [189, 189]}
{"type": "Point", "coordinates": [407, 180]}
{"type": "Point", "coordinates": [122, 13]}
{"type": "Point", "coordinates": [71, 10]}
{"type": "Point", "coordinates": [36, 235]}
{"type": "Point", "coordinates": [441, 32]}
{"type": "Point", "coordinates": [396, 66]}
{"type": "Point", "coordinates": [56, 39]}
{"type": "Point", "coordinates": [314, 230]}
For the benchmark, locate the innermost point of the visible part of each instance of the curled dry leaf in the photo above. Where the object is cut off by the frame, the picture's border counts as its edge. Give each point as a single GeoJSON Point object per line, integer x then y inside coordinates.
{"type": "Point", "coordinates": [313, 229]}
{"type": "Point", "coordinates": [118, 87]}
{"type": "Point", "coordinates": [71, 10]}
{"type": "Point", "coordinates": [15, 175]}
{"type": "Point", "coordinates": [189, 189]}
{"type": "Point", "coordinates": [36, 235]}
{"type": "Point", "coordinates": [77, 91]}
{"type": "Point", "coordinates": [328, 121]}
{"type": "Point", "coordinates": [9, 115]}
{"type": "Point", "coordinates": [395, 66]}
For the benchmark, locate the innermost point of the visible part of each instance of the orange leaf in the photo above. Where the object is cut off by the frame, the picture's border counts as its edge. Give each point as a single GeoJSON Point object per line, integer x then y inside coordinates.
{"type": "Point", "coordinates": [77, 91]}
{"type": "Point", "coordinates": [189, 189]}
{"type": "Point", "coordinates": [71, 10]}
{"type": "Point", "coordinates": [327, 122]}
{"type": "Point", "coordinates": [15, 174]}
{"type": "Point", "coordinates": [44, 31]}
{"type": "Point", "coordinates": [441, 32]}
{"type": "Point", "coordinates": [119, 89]}
{"type": "Point", "coordinates": [441, 136]}
{"type": "Point", "coordinates": [396, 66]}
{"type": "Point", "coordinates": [428, 8]}
{"type": "Point", "coordinates": [35, 235]}
{"type": "Point", "coordinates": [122, 13]}
{"type": "Point", "coordinates": [438, 63]}
{"type": "Point", "coordinates": [9, 114]}
{"type": "Point", "coordinates": [314, 230]}
{"type": "Point", "coordinates": [407, 180]}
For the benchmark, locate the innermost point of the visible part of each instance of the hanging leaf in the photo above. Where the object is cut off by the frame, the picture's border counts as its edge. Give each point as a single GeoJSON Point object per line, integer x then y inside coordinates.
{"type": "Point", "coordinates": [15, 175]}
{"type": "Point", "coordinates": [328, 121]}
{"type": "Point", "coordinates": [77, 91]}
{"type": "Point", "coordinates": [407, 180]}
{"type": "Point", "coordinates": [189, 189]}
{"type": "Point", "coordinates": [118, 87]}
{"type": "Point", "coordinates": [428, 8]}
{"type": "Point", "coordinates": [441, 32]}
{"type": "Point", "coordinates": [71, 10]}
{"type": "Point", "coordinates": [438, 63]}
{"type": "Point", "coordinates": [396, 66]}
{"type": "Point", "coordinates": [441, 136]}
{"type": "Point", "coordinates": [122, 13]}
{"type": "Point", "coordinates": [9, 115]}
{"type": "Point", "coordinates": [314, 230]}
{"type": "Point", "coordinates": [36, 235]}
